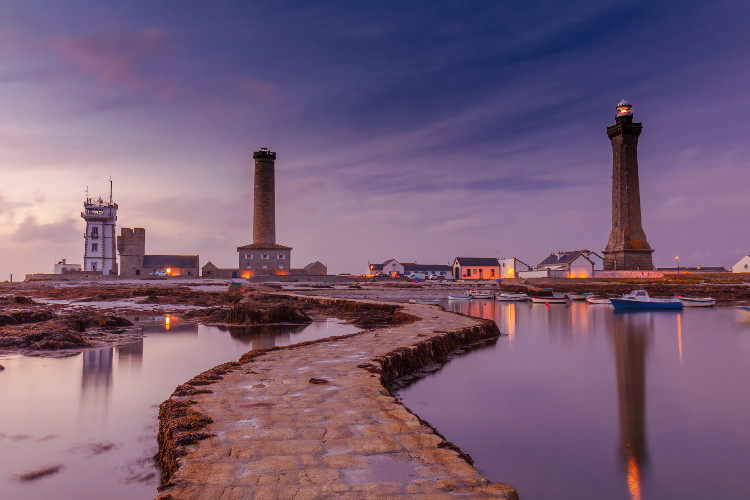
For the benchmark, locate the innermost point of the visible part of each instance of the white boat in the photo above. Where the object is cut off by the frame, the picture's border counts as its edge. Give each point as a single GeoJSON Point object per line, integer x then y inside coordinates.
{"type": "Point", "coordinates": [511, 297]}
{"type": "Point", "coordinates": [639, 299]}
{"type": "Point", "coordinates": [555, 299]}
{"type": "Point", "coordinates": [577, 296]}
{"type": "Point", "coordinates": [480, 294]}
{"type": "Point", "coordinates": [697, 301]}
{"type": "Point", "coordinates": [597, 300]}
{"type": "Point", "coordinates": [458, 297]}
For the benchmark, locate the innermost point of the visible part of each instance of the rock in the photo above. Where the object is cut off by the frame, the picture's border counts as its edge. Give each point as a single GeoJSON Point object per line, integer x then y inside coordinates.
{"type": "Point", "coordinates": [7, 319]}
{"type": "Point", "coordinates": [20, 299]}
{"type": "Point", "coordinates": [2, 368]}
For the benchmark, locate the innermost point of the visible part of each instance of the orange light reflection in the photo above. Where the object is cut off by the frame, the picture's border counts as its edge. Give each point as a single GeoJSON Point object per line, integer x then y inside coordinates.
{"type": "Point", "coordinates": [634, 478]}
{"type": "Point", "coordinates": [679, 335]}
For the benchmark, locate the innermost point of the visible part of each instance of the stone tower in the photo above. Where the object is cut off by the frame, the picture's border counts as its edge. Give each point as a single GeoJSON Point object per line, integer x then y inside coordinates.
{"type": "Point", "coordinates": [99, 253]}
{"type": "Point", "coordinates": [264, 256]}
{"type": "Point", "coordinates": [627, 247]}
{"type": "Point", "coordinates": [264, 210]}
{"type": "Point", "coordinates": [131, 244]}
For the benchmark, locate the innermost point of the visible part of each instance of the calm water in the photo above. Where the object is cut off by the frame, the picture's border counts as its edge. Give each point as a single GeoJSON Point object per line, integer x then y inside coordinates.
{"type": "Point", "coordinates": [581, 402]}
{"type": "Point", "coordinates": [95, 412]}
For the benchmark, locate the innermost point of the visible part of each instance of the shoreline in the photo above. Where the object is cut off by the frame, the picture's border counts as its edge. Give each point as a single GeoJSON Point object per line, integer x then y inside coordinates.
{"type": "Point", "coordinates": [319, 418]}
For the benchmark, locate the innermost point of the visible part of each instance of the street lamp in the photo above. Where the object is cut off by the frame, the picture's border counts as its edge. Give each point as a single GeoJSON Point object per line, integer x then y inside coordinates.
{"type": "Point", "coordinates": [677, 258]}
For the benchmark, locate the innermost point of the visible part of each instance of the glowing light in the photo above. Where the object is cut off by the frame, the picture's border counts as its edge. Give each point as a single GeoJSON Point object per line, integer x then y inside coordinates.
{"type": "Point", "coordinates": [679, 335]}
{"type": "Point", "coordinates": [511, 322]}
{"type": "Point", "coordinates": [166, 322]}
{"type": "Point", "coordinates": [634, 478]}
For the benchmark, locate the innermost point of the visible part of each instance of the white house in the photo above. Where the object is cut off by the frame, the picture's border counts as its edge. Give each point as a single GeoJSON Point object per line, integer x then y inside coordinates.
{"type": "Point", "coordinates": [575, 264]}
{"type": "Point", "coordinates": [390, 267]}
{"type": "Point", "coordinates": [743, 266]}
{"type": "Point", "coordinates": [64, 266]}
{"type": "Point", "coordinates": [509, 268]}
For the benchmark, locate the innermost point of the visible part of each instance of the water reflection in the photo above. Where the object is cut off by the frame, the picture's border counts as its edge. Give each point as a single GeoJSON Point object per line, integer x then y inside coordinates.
{"type": "Point", "coordinates": [96, 377]}
{"type": "Point", "coordinates": [261, 337]}
{"type": "Point", "coordinates": [630, 335]}
{"type": "Point", "coordinates": [103, 404]}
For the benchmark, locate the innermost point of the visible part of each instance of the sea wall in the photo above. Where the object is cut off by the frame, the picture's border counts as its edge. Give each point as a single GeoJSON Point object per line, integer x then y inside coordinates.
{"type": "Point", "coordinates": [319, 419]}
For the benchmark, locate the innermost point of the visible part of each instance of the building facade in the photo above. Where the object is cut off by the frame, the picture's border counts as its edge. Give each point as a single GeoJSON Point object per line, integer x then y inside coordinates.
{"type": "Point", "coordinates": [64, 266]}
{"type": "Point", "coordinates": [574, 264]}
{"type": "Point", "coordinates": [99, 252]}
{"type": "Point", "coordinates": [627, 247]}
{"type": "Point", "coordinates": [743, 266]}
{"type": "Point", "coordinates": [135, 264]}
{"type": "Point", "coordinates": [509, 268]}
{"type": "Point", "coordinates": [476, 268]}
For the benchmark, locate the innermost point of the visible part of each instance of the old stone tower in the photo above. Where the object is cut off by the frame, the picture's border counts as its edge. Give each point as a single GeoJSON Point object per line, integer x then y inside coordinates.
{"type": "Point", "coordinates": [99, 253]}
{"type": "Point", "coordinates": [627, 247]}
{"type": "Point", "coordinates": [132, 247]}
{"type": "Point", "coordinates": [264, 255]}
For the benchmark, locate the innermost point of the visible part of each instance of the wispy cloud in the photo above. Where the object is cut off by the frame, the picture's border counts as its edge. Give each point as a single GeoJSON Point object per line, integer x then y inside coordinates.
{"type": "Point", "coordinates": [118, 58]}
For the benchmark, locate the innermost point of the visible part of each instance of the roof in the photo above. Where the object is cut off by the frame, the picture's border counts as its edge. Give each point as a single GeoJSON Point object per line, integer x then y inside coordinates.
{"type": "Point", "coordinates": [311, 264]}
{"type": "Point", "coordinates": [376, 267]}
{"type": "Point", "coordinates": [567, 257]}
{"type": "Point", "coordinates": [477, 261]}
{"type": "Point", "coordinates": [170, 261]}
{"type": "Point", "coordinates": [263, 246]}
{"type": "Point", "coordinates": [426, 267]}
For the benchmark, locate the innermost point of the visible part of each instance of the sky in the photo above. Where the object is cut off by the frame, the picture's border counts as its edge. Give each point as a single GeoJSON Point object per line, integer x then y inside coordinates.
{"type": "Point", "coordinates": [420, 130]}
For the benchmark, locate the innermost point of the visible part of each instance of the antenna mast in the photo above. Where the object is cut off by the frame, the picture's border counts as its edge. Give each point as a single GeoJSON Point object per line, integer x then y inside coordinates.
{"type": "Point", "coordinates": [110, 190]}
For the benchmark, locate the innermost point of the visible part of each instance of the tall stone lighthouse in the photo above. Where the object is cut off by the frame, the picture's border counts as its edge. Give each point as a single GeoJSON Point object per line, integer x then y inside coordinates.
{"type": "Point", "coordinates": [264, 256]}
{"type": "Point", "coordinates": [627, 248]}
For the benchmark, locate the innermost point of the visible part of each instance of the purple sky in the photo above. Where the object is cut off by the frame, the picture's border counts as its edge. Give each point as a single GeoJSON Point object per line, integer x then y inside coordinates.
{"type": "Point", "coordinates": [414, 130]}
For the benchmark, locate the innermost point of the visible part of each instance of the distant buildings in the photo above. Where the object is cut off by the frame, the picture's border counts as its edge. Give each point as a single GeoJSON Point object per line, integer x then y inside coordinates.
{"type": "Point", "coordinates": [743, 266]}
{"type": "Point", "coordinates": [134, 263]}
{"type": "Point", "coordinates": [63, 266]}
{"type": "Point", "coordinates": [574, 264]}
{"type": "Point", "coordinates": [476, 268]}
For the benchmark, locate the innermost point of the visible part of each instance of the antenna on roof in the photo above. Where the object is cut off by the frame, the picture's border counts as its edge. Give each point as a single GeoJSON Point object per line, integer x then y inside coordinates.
{"type": "Point", "coordinates": [110, 190]}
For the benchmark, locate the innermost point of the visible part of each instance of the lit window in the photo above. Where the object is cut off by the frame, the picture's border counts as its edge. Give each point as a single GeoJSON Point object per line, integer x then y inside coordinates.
{"type": "Point", "coordinates": [94, 247]}
{"type": "Point", "coordinates": [492, 272]}
{"type": "Point", "coordinates": [475, 271]}
{"type": "Point", "coordinates": [265, 256]}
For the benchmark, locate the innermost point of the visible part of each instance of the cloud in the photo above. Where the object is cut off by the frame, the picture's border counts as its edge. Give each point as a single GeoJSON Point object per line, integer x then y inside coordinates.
{"type": "Point", "coordinates": [118, 58]}
{"type": "Point", "coordinates": [31, 231]}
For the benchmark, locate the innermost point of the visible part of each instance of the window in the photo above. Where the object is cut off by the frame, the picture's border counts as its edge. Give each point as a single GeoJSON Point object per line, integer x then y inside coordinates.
{"type": "Point", "coordinates": [492, 273]}
{"type": "Point", "coordinates": [249, 267]}
{"type": "Point", "coordinates": [280, 256]}
{"type": "Point", "coordinates": [265, 267]}
{"type": "Point", "coordinates": [265, 256]}
{"type": "Point", "coordinates": [94, 247]}
{"type": "Point", "coordinates": [474, 271]}
{"type": "Point", "coordinates": [248, 256]}
{"type": "Point", "coordinates": [281, 267]}
{"type": "Point", "coordinates": [94, 231]}
{"type": "Point", "coordinates": [137, 272]}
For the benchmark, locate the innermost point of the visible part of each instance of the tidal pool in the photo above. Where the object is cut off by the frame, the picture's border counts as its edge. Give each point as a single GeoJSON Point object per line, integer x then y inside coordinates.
{"type": "Point", "coordinates": [84, 426]}
{"type": "Point", "coordinates": [580, 402]}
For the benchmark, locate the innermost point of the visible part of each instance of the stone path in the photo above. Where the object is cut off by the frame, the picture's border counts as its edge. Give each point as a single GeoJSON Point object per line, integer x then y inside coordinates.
{"type": "Point", "coordinates": [278, 435]}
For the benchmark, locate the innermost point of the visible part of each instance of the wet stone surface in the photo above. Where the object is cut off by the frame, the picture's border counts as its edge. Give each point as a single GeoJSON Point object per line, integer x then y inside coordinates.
{"type": "Point", "coordinates": [276, 434]}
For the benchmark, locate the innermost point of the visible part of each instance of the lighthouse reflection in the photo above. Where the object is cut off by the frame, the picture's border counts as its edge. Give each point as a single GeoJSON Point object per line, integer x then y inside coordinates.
{"type": "Point", "coordinates": [630, 333]}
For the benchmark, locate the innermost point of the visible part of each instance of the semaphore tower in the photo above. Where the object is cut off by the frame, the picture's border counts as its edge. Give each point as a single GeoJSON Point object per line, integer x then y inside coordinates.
{"type": "Point", "coordinates": [627, 247]}
{"type": "Point", "coordinates": [264, 255]}
{"type": "Point", "coordinates": [100, 253]}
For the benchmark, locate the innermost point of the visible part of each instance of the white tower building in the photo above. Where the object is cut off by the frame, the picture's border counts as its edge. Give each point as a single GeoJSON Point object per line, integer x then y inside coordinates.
{"type": "Point", "coordinates": [100, 252]}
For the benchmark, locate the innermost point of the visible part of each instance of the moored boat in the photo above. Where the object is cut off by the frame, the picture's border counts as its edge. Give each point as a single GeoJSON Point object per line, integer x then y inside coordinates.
{"type": "Point", "coordinates": [458, 297]}
{"type": "Point", "coordinates": [639, 299]}
{"type": "Point", "coordinates": [511, 297]}
{"type": "Point", "coordinates": [555, 299]}
{"type": "Point", "coordinates": [697, 301]}
{"type": "Point", "coordinates": [597, 300]}
{"type": "Point", "coordinates": [480, 294]}
{"type": "Point", "coordinates": [577, 296]}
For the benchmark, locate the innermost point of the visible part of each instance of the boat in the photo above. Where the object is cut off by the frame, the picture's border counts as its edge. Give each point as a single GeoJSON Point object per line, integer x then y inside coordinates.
{"type": "Point", "coordinates": [697, 301]}
{"type": "Point", "coordinates": [555, 299]}
{"type": "Point", "coordinates": [458, 297]}
{"type": "Point", "coordinates": [639, 299]}
{"type": "Point", "coordinates": [577, 296]}
{"type": "Point", "coordinates": [597, 300]}
{"type": "Point", "coordinates": [428, 301]}
{"type": "Point", "coordinates": [511, 297]}
{"type": "Point", "coordinates": [480, 294]}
